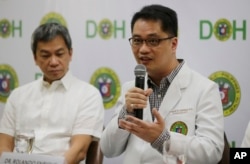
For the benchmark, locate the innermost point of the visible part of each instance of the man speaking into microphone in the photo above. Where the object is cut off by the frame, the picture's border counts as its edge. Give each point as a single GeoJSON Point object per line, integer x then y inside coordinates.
{"type": "Point", "coordinates": [177, 115]}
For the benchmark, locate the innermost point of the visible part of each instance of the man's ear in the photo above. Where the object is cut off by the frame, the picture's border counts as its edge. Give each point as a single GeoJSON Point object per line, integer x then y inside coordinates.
{"type": "Point", "coordinates": [174, 43]}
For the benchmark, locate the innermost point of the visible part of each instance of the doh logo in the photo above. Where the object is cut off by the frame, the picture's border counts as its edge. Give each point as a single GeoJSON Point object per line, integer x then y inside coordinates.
{"type": "Point", "coordinates": [106, 29]}
{"type": "Point", "coordinates": [53, 17]}
{"type": "Point", "coordinates": [229, 91]}
{"type": "Point", "coordinates": [179, 127]}
{"type": "Point", "coordinates": [8, 81]}
{"type": "Point", "coordinates": [10, 28]}
{"type": "Point", "coordinates": [107, 82]}
{"type": "Point", "coordinates": [223, 29]}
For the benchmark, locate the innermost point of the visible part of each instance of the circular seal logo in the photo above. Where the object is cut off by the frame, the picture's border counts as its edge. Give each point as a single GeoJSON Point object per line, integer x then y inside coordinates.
{"type": "Point", "coordinates": [5, 28]}
{"type": "Point", "coordinates": [53, 17]}
{"type": "Point", "coordinates": [179, 127]}
{"type": "Point", "coordinates": [8, 81]}
{"type": "Point", "coordinates": [105, 29]}
{"type": "Point", "coordinates": [229, 91]}
{"type": "Point", "coordinates": [222, 29]}
{"type": "Point", "coordinates": [107, 82]}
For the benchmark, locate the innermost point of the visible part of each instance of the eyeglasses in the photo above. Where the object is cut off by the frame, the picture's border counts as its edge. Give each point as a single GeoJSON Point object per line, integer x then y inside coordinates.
{"type": "Point", "coordinates": [151, 42]}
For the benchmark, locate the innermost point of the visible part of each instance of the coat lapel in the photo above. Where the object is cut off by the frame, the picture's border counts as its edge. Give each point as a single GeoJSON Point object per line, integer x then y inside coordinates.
{"type": "Point", "coordinates": [174, 91]}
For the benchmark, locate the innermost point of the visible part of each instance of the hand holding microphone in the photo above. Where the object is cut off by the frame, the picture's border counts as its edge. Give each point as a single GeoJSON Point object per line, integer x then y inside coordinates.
{"type": "Point", "coordinates": [140, 72]}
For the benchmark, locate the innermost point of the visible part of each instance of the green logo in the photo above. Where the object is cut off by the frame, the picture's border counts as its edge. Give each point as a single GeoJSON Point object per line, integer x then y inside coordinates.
{"type": "Point", "coordinates": [179, 127]}
{"type": "Point", "coordinates": [5, 30]}
{"type": "Point", "coordinates": [229, 91]}
{"type": "Point", "coordinates": [53, 17]}
{"type": "Point", "coordinates": [107, 82]}
{"type": "Point", "coordinates": [223, 30]}
{"type": "Point", "coordinates": [105, 29]}
{"type": "Point", "coordinates": [10, 28]}
{"type": "Point", "coordinates": [8, 81]}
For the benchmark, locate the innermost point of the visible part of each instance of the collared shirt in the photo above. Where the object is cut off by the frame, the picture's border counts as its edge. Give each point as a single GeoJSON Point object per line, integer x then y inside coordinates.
{"type": "Point", "coordinates": [159, 92]}
{"type": "Point", "coordinates": [55, 112]}
{"type": "Point", "coordinates": [155, 100]}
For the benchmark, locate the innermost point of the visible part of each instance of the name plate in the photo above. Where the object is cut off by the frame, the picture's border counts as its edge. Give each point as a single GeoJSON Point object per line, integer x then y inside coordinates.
{"type": "Point", "coordinates": [19, 158]}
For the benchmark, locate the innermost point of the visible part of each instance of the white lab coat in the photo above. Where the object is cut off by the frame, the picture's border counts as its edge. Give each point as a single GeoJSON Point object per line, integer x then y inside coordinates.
{"type": "Point", "coordinates": [192, 99]}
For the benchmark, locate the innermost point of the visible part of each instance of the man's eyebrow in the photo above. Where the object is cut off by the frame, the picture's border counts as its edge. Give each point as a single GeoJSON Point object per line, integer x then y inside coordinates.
{"type": "Point", "coordinates": [150, 35]}
{"type": "Point", "coordinates": [42, 50]}
{"type": "Point", "coordinates": [60, 49]}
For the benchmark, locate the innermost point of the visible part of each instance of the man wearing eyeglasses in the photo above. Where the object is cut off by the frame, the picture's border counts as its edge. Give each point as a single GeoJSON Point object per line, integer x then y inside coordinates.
{"type": "Point", "coordinates": [182, 110]}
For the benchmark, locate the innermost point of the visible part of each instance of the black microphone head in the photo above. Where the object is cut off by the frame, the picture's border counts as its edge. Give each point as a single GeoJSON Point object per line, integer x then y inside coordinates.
{"type": "Point", "coordinates": [140, 70]}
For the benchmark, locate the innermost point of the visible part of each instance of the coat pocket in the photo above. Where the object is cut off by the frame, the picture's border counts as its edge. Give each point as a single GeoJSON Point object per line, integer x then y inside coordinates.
{"type": "Point", "coordinates": [181, 121]}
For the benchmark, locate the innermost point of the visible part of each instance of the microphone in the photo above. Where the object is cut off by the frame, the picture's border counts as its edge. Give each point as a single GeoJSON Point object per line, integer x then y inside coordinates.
{"type": "Point", "coordinates": [140, 72]}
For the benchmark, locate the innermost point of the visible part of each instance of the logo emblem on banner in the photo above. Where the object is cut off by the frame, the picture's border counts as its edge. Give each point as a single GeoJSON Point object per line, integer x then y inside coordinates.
{"type": "Point", "coordinates": [8, 81]}
{"type": "Point", "coordinates": [5, 28]}
{"type": "Point", "coordinates": [179, 127]}
{"type": "Point", "coordinates": [107, 82]}
{"type": "Point", "coordinates": [105, 29]}
{"type": "Point", "coordinates": [53, 17]}
{"type": "Point", "coordinates": [229, 91]}
{"type": "Point", "coordinates": [223, 30]}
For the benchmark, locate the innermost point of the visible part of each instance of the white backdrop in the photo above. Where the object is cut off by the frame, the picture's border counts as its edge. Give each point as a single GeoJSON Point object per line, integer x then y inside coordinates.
{"type": "Point", "coordinates": [198, 45]}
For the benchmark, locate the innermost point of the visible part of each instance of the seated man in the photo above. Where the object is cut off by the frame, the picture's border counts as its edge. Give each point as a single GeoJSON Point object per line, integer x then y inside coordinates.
{"type": "Point", "coordinates": [64, 112]}
{"type": "Point", "coordinates": [182, 110]}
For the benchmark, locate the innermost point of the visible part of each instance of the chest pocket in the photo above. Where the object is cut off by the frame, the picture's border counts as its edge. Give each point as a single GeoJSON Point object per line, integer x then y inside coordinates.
{"type": "Point", "coordinates": [181, 121]}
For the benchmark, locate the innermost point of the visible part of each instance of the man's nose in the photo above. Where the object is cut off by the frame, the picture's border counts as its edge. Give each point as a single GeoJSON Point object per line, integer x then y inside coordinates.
{"type": "Point", "coordinates": [53, 60]}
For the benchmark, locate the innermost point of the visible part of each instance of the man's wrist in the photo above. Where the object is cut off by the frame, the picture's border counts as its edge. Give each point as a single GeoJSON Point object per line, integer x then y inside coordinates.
{"type": "Point", "coordinates": [124, 112]}
{"type": "Point", "coordinates": [159, 143]}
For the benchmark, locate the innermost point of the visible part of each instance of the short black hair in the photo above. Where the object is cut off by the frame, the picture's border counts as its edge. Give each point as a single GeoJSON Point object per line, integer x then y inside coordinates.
{"type": "Point", "coordinates": [167, 17]}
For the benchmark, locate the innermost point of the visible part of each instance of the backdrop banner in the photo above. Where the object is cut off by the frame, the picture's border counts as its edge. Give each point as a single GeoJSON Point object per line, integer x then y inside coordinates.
{"type": "Point", "coordinates": [213, 40]}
